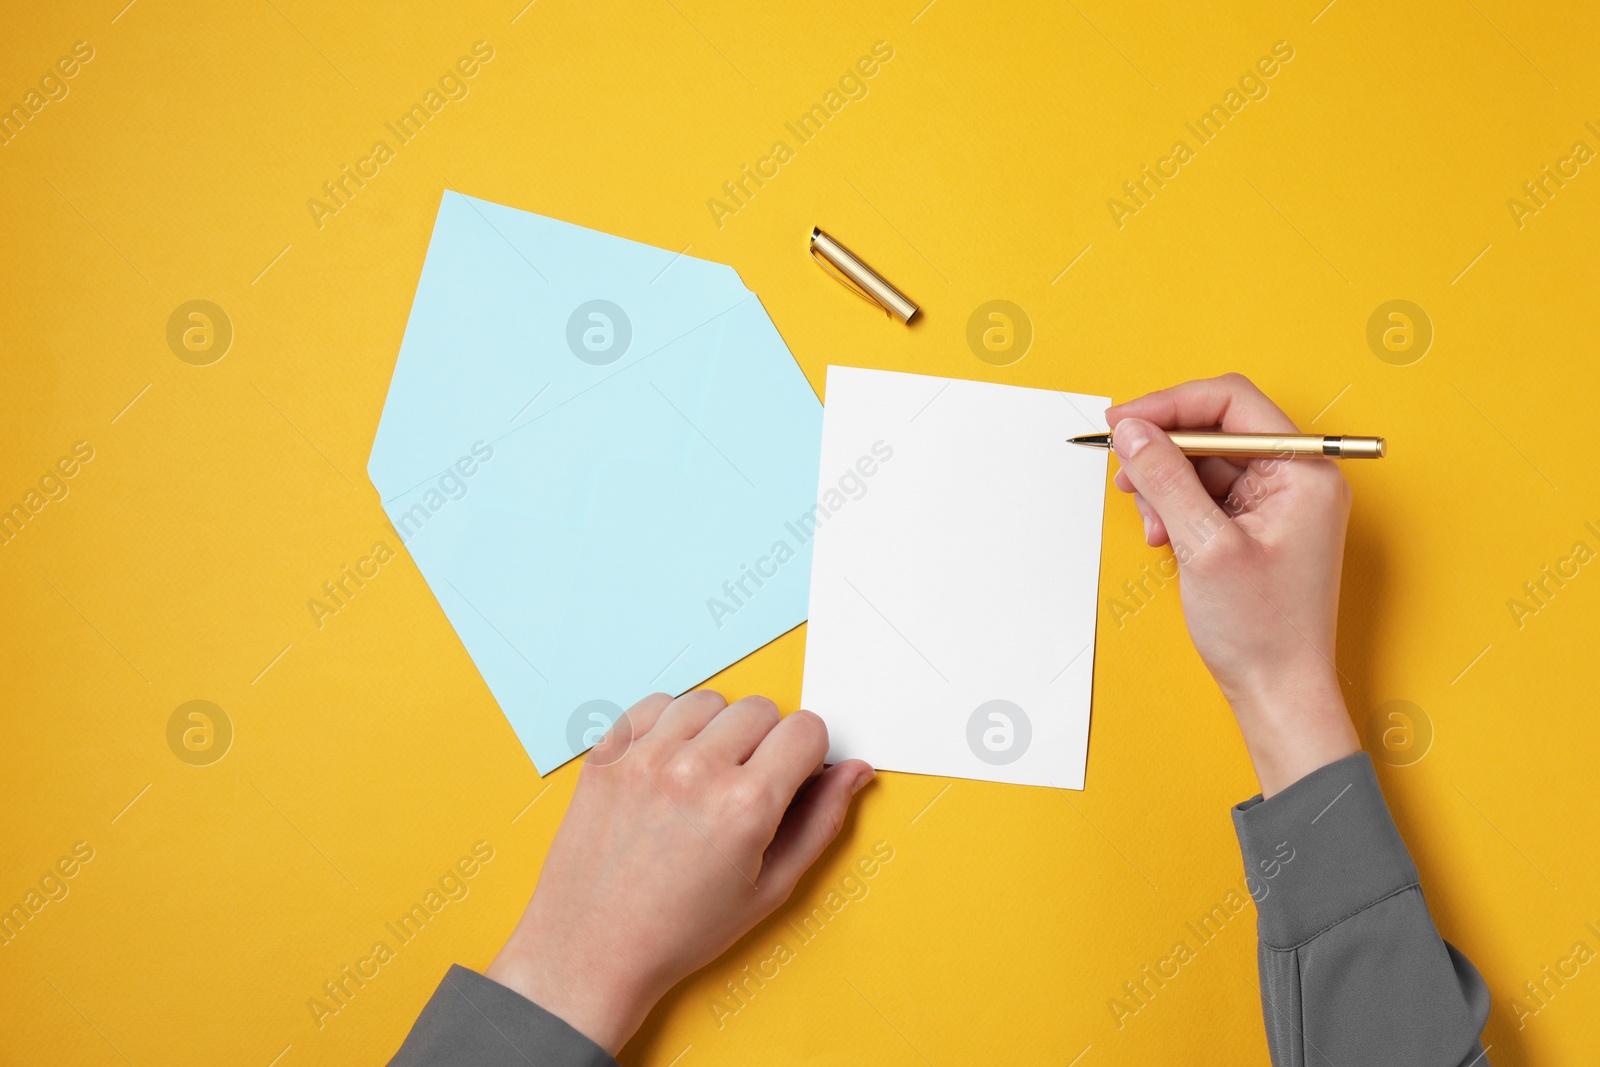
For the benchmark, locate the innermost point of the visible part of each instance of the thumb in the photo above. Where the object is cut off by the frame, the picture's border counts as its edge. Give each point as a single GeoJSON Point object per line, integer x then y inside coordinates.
{"type": "Point", "coordinates": [1168, 482]}
{"type": "Point", "coordinates": [811, 824]}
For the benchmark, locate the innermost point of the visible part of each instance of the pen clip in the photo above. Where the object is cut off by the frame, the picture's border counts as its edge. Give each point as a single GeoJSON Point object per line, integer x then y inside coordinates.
{"type": "Point", "coordinates": [847, 281]}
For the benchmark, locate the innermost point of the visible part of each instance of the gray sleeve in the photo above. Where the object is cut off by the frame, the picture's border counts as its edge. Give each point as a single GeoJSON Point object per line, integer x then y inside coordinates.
{"type": "Point", "coordinates": [1352, 969]}
{"type": "Point", "coordinates": [472, 1021]}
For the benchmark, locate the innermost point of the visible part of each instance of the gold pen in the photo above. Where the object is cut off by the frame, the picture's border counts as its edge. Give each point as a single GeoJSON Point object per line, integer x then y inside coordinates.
{"type": "Point", "coordinates": [1261, 445]}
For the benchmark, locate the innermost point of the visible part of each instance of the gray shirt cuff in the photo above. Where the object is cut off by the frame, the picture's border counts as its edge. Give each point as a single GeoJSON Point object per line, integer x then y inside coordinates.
{"type": "Point", "coordinates": [473, 1021]}
{"type": "Point", "coordinates": [1320, 851]}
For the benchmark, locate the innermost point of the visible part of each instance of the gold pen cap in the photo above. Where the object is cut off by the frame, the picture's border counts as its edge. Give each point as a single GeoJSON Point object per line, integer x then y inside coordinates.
{"type": "Point", "coordinates": [859, 278]}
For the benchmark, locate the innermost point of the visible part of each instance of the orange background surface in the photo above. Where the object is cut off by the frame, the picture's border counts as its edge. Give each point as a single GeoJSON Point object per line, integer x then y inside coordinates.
{"type": "Point", "coordinates": [367, 756]}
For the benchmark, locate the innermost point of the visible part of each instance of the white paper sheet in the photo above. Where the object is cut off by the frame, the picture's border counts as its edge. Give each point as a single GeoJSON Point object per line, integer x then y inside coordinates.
{"type": "Point", "coordinates": [955, 576]}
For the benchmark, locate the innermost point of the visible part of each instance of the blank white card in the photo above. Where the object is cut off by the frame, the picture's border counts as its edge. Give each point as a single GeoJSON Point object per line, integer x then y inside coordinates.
{"type": "Point", "coordinates": [954, 576]}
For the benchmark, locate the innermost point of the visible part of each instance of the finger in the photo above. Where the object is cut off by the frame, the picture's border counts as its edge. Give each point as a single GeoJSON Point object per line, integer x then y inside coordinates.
{"type": "Point", "coordinates": [1232, 402]}
{"type": "Point", "coordinates": [689, 714]}
{"type": "Point", "coordinates": [736, 732]}
{"type": "Point", "coordinates": [1217, 474]}
{"type": "Point", "coordinates": [788, 755]}
{"type": "Point", "coordinates": [811, 825]}
{"type": "Point", "coordinates": [1266, 476]}
{"type": "Point", "coordinates": [629, 727]}
{"type": "Point", "coordinates": [1167, 481]}
{"type": "Point", "coordinates": [643, 716]}
{"type": "Point", "coordinates": [1220, 475]}
{"type": "Point", "coordinates": [1155, 531]}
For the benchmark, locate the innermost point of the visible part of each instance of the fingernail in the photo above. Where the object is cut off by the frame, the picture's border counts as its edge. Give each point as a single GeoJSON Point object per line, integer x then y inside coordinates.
{"type": "Point", "coordinates": [861, 780]}
{"type": "Point", "coordinates": [1130, 436]}
{"type": "Point", "coordinates": [1149, 530]}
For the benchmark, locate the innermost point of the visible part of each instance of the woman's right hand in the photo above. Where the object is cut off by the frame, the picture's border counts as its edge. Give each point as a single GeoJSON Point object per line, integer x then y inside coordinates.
{"type": "Point", "coordinates": [1259, 546]}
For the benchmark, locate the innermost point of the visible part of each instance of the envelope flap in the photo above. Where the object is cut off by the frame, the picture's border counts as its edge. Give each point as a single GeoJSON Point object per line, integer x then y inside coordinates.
{"type": "Point", "coordinates": [532, 312]}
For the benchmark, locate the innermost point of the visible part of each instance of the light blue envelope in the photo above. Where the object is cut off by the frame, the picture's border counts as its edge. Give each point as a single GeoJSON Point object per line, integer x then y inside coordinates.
{"type": "Point", "coordinates": [603, 459]}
